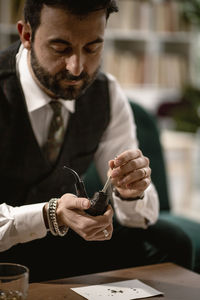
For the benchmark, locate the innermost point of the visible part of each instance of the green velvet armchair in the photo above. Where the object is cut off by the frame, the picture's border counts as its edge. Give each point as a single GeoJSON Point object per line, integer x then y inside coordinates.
{"type": "Point", "coordinates": [168, 223]}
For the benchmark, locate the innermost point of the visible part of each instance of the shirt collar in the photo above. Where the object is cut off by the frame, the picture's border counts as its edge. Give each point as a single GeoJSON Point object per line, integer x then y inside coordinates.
{"type": "Point", "coordinates": [34, 95]}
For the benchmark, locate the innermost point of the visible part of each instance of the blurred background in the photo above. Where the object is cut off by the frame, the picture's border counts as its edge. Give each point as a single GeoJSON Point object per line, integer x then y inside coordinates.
{"type": "Point", "coordinates": [153, 49]}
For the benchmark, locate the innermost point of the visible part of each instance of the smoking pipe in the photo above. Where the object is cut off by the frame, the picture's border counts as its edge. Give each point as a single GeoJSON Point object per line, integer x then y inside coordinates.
{"type": "Point", "coordinates": [99, 201]}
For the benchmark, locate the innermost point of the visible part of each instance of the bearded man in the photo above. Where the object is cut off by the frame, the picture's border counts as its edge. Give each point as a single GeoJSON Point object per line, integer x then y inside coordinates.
{"type": "Point", "coordinates": [54, 71]}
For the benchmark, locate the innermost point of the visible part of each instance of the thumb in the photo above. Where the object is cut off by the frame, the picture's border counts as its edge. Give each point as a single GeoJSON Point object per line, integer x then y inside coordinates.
{"type": "Point", "coordinates": [82, 203]}
{"type": "Point", "coordinates": [73, 202]}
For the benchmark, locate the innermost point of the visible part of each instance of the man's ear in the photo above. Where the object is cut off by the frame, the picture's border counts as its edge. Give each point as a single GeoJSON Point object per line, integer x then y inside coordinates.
{"type": "Point", "coordinates": [24, 30]}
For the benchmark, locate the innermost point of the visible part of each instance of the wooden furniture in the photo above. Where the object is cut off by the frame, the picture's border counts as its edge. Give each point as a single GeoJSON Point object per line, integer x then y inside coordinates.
{"type": "Point", "coordinates": [174, 281]}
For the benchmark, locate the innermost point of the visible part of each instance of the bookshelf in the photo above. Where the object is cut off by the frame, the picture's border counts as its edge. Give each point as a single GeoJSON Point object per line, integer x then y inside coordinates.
{"type": "Point", "coordinates": [150, 49]}
{"type": "Point", "coordinates": [10, 13]}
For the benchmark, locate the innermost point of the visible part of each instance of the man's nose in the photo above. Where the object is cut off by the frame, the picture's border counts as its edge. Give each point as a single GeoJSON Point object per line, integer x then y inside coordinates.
{"type": "Point", "coordinates": [74, 64]}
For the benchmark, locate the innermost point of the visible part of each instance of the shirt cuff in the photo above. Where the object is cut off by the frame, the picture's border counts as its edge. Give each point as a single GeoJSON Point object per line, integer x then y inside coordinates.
{"type": "Point", "coordinates": [29, 222]}
{"type": "Point", "coordinates": [138, 213]}
{"type": "Point", "coordinates": [128, 214]}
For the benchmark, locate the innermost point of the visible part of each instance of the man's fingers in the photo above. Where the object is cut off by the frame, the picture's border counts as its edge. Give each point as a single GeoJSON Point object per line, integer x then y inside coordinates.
{"type": "Point", "coordinates": [131, 166]}
{"type": "Point", "coordinates": [126, 156]}
{"type": "Point", "coordinates": [71, 208]}
{"type": "Point", "coordinates": [132, 177]}
{"type": "Point", "coordinates": [102, 234]}
{"type": "Point", "coordinates": [111, 164]}
{"type": "Point", "coordinates": [73, 202]}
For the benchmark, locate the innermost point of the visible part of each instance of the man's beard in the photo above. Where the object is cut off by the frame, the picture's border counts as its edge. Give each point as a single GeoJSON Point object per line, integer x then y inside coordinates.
{"type": "Point", "coordinates": [52, 82]}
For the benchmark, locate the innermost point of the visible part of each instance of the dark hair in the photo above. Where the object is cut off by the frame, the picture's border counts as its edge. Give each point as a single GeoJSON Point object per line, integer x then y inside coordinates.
{"type": "Point", "coordinates": [32, 8]}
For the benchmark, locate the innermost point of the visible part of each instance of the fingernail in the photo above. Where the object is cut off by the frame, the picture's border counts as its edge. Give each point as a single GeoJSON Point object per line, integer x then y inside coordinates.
{"type": "Point", "coordinates": [86, 204]}
{"type": "Point", "coordinates": [115, 173]}
{"type": "Point", "coordinates": [117, 162]}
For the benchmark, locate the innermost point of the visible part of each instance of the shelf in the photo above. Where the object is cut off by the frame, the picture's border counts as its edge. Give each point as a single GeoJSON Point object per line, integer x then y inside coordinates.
{"type": "Point", "coordinates": [148, 36]}
{"type": "Point", "coordinates": [10, 13]}
{"type": "Point", "coordinates": [8, 29]}
{"type": "Point", "coordinates": [150, 50]}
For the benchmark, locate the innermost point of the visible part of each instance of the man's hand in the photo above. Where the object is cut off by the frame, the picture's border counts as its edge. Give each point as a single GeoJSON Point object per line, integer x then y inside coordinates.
{"type": "Point", "coordinates": [130, 173]}
{"type": "Point", "coordinates": [71, 213]}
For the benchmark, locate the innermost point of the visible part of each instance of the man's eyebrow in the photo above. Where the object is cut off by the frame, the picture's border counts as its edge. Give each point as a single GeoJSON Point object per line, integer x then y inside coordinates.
{"type": "Point", "coordinates": [61, 41]}
{"type": "Point", "coordinates": [98, 40]}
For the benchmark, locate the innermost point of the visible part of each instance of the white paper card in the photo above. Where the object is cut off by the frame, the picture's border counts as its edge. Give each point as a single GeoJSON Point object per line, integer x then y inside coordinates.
{"type": "Point", "coordinates": [122, 290]}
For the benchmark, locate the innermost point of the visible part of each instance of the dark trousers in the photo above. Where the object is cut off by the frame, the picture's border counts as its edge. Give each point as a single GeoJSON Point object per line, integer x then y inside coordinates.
{"type": "Point", "coordinates": [60, 257]}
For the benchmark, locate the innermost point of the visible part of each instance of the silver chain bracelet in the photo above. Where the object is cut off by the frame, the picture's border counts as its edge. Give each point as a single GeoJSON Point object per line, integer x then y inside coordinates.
{"type": "Point", "coordinates": [52, 220]}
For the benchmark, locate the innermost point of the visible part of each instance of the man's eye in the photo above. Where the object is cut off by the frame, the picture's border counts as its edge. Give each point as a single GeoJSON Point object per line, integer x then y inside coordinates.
{"type": "Point", "coordinates": [62, 50]}
{"type": "Point", "coordinates": [92, 49]}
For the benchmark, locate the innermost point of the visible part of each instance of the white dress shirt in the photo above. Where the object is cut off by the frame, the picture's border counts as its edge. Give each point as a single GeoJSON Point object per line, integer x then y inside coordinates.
{"type": "Point", "coordinates": [25, 223]}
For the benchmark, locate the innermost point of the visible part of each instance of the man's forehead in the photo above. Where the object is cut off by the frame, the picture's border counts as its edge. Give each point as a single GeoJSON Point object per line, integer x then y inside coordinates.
{"type": "Point", "coordinates": [54, 11]}
{"type": "Point", "coordinates": [58, 24]}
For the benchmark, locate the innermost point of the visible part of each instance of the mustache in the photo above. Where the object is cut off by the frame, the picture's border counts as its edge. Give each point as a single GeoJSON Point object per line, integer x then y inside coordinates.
{"type": "Point", "coordinates": [67, 76]}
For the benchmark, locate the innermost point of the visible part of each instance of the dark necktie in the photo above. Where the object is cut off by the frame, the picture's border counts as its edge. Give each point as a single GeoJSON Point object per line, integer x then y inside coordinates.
{"type": "Point", "coordinates": [55, 134]}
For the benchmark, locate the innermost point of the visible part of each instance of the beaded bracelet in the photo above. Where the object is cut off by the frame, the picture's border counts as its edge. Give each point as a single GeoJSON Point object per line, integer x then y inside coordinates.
{"type": "Point", "coordinates": [52, 220]}
{"type": "Point", "coordinates": [51, 228]}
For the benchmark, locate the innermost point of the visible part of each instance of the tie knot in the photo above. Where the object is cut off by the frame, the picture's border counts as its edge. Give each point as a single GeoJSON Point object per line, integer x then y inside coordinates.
{"type": "Point", "coordinates": [56, 107]}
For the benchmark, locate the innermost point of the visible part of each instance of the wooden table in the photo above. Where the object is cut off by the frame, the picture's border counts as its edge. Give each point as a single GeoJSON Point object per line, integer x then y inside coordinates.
{"type": "Point", "coordinates": [175, 282]}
